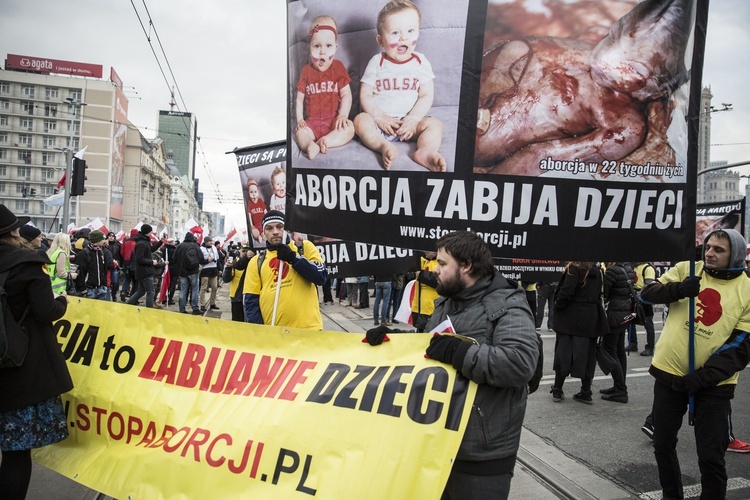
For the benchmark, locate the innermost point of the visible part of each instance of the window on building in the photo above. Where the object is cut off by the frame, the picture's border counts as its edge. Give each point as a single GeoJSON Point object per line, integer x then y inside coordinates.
{"type": "Point", "coordinates": [3, 137]}
{"type": "Point", "coordinates": [25, 156]}
{"type": "Point", "coordinates": [76, 128]}
{"type": "Point", "coordinates": [50, 125]}
{"type": "Point", "coordinates": [48, 158]}
{"type": "Point", "coordinates": [2, 187]}
{"type": "Point", "coordinates": [48, 141]}
{"type": "Point", "coordinates": [47, 190]}
{"type": "Point", "coordinates": [4, 88]}
{"type": "Point", "coordinates": [22, 206]}
{"type": "Point", "coordinates": [24, 172]}
{"type": "Point", "coordinates": [27, 123]}
{"type": "Point", "coordinates": [25, 140]}
{"type": "Point", "coordinates": [4, 104]}
{"type": "Point", "coordinates": [3, 154]}
{"type": "Point", "coordinates": [27, 107]}
{"type": "Point", "coordinates": [50, 110]}
{"type": "Point", "coordinates": [4, 120]}
{"type": "Point", "coordinates": [27, 90]}
{"type": "Point", "coordinates": [52, 93]}
{"type": "Point", "coordinates": [75, 94]}
{"type": "Point", "coordinates": [48, 174]}
{"type": "Point", "coordinates": [3, 170]}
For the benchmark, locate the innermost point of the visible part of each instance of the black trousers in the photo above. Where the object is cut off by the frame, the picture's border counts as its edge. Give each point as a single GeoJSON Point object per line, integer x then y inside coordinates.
{"type": "Point", "coordinates": [614, 344]}
{"type": "Point", "coordinates": [712, 408]}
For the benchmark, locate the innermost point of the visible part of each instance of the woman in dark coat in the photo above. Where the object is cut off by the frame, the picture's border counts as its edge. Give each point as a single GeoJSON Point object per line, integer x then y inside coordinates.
{"type": "Point", "coordinates": [31, 410]}
{"type": "Point", "coordinates": [618, 288]}
{"type": "Point", "coordinates": [579, 320]}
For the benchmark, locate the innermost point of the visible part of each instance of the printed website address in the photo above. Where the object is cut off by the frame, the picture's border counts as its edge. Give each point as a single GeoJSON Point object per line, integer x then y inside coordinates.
{"type": "Point", "coordinates": [500, 238]}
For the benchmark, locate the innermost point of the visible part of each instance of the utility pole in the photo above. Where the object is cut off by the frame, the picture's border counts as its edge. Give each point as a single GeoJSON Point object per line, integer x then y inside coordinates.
{"type": "Point", "coordinates": [74, 104]}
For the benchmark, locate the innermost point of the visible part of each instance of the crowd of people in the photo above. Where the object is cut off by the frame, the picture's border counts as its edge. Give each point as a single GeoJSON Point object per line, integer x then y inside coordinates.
{"type": "Point", "coordinates": [592, 310]}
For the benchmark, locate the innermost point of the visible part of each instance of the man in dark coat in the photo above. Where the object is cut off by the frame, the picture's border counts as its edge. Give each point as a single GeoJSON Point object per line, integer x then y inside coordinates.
{"type": "Point", "coordinates": [92, 268]}
{"type": "Point", "coordinates": [144, 264]}
{"type": "Point", "coordinates": [188, 259]}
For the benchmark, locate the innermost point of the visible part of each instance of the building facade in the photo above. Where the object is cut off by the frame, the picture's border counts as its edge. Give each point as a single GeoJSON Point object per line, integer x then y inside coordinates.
{"type": "Point", "coordinates": [179, 130]}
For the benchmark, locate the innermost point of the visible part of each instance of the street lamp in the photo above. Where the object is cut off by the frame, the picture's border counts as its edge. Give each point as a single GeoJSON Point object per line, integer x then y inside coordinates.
{"type": "Point", "coordinates": [74, 104]}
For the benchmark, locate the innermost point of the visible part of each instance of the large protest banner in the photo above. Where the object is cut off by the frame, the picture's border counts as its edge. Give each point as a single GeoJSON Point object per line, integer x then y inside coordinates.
{"type": "Point", "coordinates": [168, 406]}
{"type": "Point", "coordinates": [569, 131]}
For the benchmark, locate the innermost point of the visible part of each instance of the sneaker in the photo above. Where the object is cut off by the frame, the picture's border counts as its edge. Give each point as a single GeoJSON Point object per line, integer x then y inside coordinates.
{"type": "Point", "coordinates": [557, 394]}
{"type": "Point", "coordinates": [203, 309]}
{"type": "Point", "coordinates": [648, 351]}
{"type": "Point", "coordinates": [384, 323]}
{"type": "Point", "coordinates": [611, 390]}
{"type": "Point", "coordinates": [616, 397]}
{"type": "Point", "coordinates": [583, 397]}
{"type": "Point", "coordinates": [377, 323]}
{"type": "Point", "coordinates": [538, 328]}
{"type": "Point", "coordinates": [738, 446]}
{"type": "Point", "coordinates": [197, 312]}
{"type": "Point", "coordinates": [648, 429]}
{"type": "Point", "coordinates": [170, 303]}
{"type": "Point", "coordinates": [156, 306]}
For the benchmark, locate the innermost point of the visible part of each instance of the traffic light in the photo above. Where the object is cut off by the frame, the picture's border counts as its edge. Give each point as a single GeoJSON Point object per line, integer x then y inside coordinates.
{"type": "Point", "coordinates": [78, 181]}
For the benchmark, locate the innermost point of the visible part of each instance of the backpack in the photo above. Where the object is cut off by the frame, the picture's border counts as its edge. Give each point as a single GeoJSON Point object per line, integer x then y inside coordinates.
{"type": "Point", "coordinates": [14, 340]}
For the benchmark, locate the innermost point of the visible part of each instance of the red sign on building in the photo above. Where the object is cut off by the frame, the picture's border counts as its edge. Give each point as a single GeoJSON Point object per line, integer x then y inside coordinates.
{"type": "Point", "coordinates": [44, 65]}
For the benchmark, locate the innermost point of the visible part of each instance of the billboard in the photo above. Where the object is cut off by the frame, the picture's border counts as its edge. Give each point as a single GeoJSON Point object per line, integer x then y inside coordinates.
{"type": "Point", "coordinates": [556, 133]}
{"type": "Point", "coordinates": [46, 65]}
{"type": "Point", "coordinates": [119, 142]}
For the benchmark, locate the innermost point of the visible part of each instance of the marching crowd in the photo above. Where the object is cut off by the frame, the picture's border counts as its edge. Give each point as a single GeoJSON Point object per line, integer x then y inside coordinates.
{"type": "Point", "coordinates": [592, 310]}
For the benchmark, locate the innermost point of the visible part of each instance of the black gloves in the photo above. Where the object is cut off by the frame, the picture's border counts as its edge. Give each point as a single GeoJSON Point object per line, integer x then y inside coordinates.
{"type": "Point", "coordinates": [379, 334]}
{"type": "Point", "coordinates": [690, 287]}
{"type": "Point", "coordinates": [448, 349]}
{"type": "Point", "coordinates": [286, 254]}
{"type": "Point", "coordinates": [691, 383]}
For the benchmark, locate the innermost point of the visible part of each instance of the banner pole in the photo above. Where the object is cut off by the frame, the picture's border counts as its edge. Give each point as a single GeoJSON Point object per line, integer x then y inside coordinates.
{"type": "Point", "coordinates": [278, 284]}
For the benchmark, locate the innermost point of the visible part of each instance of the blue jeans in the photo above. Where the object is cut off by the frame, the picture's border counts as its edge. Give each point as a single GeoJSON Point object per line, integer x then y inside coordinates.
{"type": "Point", "coordinates": [99, 292]}
{"type": "Point", "coordinates": [145, 287]}
{"type": "Point", "coordinates": [382, 299]}
{"type": "Point", "coordinates": [189, 282]}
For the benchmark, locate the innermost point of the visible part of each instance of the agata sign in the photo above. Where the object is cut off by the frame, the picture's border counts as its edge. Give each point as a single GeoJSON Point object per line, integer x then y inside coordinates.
{"type": "Point", "coordinates": [44, 65]}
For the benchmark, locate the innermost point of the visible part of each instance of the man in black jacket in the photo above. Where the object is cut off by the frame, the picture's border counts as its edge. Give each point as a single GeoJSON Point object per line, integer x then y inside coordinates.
{"type": "Point", "coordinates": [187, 261]}
{"type": "Point", "coordinates": [92, 268]}
{"type": "Point", "coordinates": [144, 267]}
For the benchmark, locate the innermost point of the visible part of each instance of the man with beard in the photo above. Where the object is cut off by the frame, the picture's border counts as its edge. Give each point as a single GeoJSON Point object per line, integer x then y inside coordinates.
{"type": "Point", "coordinates": [721, 348]}
{"type": "Point", "coordinates": [301, 271]}
{"type": "Point", "coordinates": [497, 348]}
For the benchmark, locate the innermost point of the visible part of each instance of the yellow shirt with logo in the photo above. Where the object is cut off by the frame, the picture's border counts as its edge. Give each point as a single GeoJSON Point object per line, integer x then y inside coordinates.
{"type": "Point", "coordinates": [721, 307]}
{"type": "Point", "coordinates": [640, 277]}
{"type": "Point", "coordinates": [428, 294]}
{"type": "Point", "coordinates": [298, 298]}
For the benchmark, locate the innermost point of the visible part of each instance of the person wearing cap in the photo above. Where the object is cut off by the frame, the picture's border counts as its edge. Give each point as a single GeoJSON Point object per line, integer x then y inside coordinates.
{"type": "Point", "coordinates": [188, 259]}
{"type": "Point", "coordinates": [114, 276]}
{"type": "Point", "coordinates": [209, 275]}
{"type": "Point", "coordinates": [302, 271]}
{"type": "Point", "coordinates": [92, 268]}
{"type": "Point", "coordinates": [144, 263]}
{"type": "Point", "coordinates": [31, 410]}
{"type": "Point", "coordinates": [720, 349]}
{"type": "Point", "coordinates": [234, 274]}
{"type": "Point", "coordinates": [33, 235]}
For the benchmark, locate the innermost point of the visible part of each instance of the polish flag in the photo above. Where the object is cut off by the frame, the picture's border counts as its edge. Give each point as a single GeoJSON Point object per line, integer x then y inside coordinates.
{"type": "Point", "coordinates": [403, 314]}
{"type": "Point", "coordinates": [446, 327]}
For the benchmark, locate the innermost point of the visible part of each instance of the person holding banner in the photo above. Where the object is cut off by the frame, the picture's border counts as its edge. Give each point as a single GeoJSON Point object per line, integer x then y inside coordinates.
{"type": "Point", "coordinates": [31, 410]}
{"type": "Point", "coordinates": [720, 349]}
{"type": "Point", "coordinates": [281, 284]}
{"type": "Point", "coordinates": [497, 348]}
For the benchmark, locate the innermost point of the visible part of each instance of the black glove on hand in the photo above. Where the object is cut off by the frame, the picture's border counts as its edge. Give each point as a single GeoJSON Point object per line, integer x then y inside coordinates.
{"type": "Point", "coordinates": [691, 383]}
{"type": "Point", "coordinates": [286, 254]}
{"type": "Point", "coordinates": [690, 287]}
{"type": "Point", "coordinates": [377, 335]}
{"type": "Point", "coordinates": [448, 349]}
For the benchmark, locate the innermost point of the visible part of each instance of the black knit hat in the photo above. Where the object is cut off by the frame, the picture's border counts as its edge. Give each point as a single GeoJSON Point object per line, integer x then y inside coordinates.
{"type": "Point", "coordinates": [146, 229]}
{"type": "Point", "coordinates": [273, 216]}
{"type": "Point", "coordinates": [29, 232]}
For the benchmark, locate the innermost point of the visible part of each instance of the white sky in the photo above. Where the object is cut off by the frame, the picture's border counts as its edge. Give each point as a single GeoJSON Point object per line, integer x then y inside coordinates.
{"type": "Point", "coordinates": [228, 58]}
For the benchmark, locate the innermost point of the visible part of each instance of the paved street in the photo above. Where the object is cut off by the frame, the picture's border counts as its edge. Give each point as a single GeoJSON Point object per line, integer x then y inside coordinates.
{"type": "Point", "coordinates": [568, 449]}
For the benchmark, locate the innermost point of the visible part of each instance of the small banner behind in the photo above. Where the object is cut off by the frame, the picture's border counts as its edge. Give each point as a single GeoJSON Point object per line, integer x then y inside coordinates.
{"type": "Point", "coordinates": [720, 215]}
{"type": "Point", "coordinates": [168, 406]}
{"type": "Point", "coordinates": [569, 134]}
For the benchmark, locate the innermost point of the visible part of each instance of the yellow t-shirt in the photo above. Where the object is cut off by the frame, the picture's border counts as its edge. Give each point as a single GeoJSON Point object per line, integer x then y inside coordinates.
{"type": "Point", "coordinates": [429, 294]}
{"type": "Point", "coordinates": [236, 277]}
{"type": "Point", "coordinates": [640, 277]}
{"type": "Point", "coordinates": [298, 298]}
{"type": "Point", "coordinates": [721, 307]}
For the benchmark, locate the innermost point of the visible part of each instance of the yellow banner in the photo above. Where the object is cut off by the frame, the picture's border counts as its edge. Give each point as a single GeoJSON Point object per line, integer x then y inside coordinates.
{"type": "Point", "coordinates": [178, 406]}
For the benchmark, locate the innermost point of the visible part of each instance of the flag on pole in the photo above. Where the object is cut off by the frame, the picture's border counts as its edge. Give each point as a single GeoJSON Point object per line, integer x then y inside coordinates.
{"type": "Point", "coordinates": [56, 200]}
{"type": "Point", "coordinates": [444, 327]}
{"type": "Point", "coordinates": [403, 314]}
{"type": "Point", "coordinates": [166, 279]}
